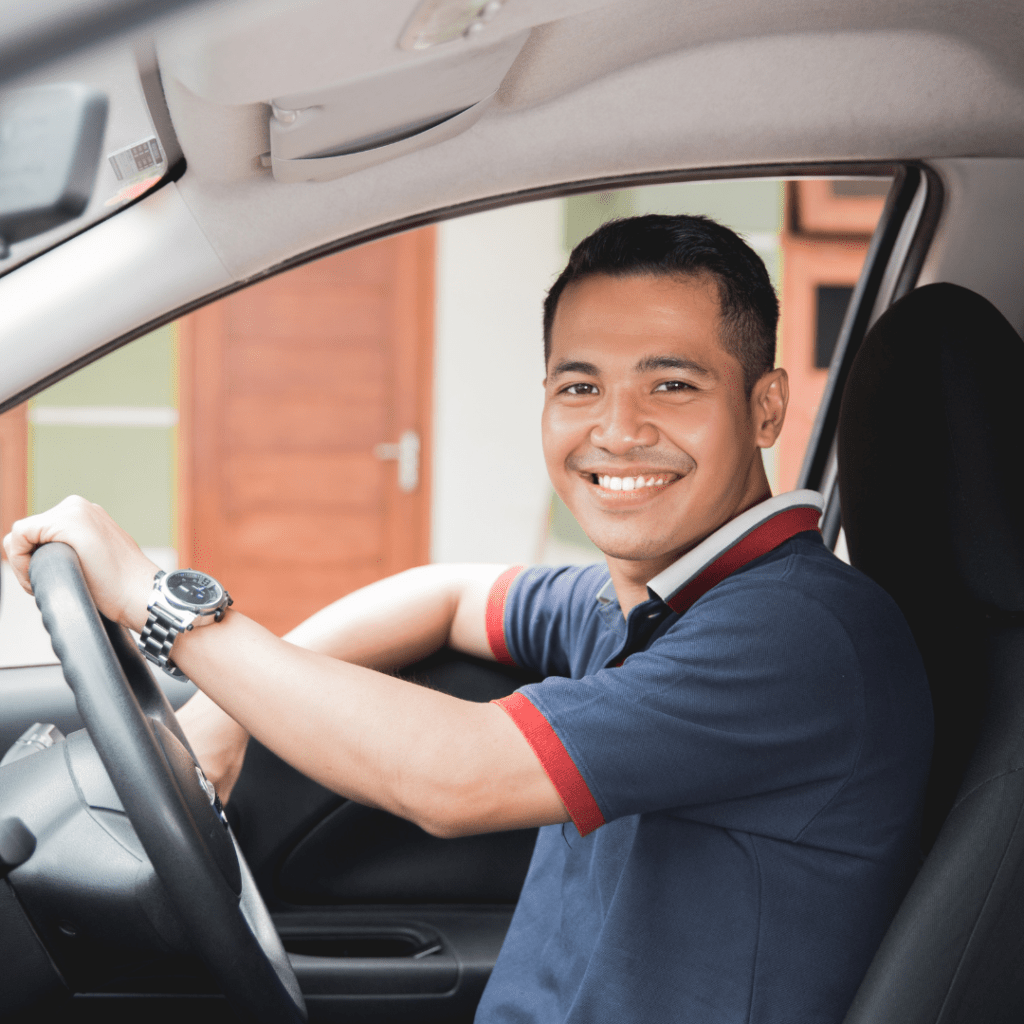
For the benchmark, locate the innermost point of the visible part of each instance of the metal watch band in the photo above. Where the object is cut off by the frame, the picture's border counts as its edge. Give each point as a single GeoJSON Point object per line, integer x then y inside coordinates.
{"type": "Point", "coordinates": [157, 638]}
{"type": "Point", "coordinates": [155, 642]}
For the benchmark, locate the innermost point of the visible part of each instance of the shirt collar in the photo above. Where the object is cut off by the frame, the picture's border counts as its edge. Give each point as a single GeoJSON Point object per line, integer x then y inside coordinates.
{"type": "Point", "coordinates": [751, 534]}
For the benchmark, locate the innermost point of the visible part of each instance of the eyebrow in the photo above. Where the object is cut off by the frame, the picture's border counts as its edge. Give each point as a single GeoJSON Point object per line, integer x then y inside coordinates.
{"type": "Point", "coordinates": [575, 366]}
{"type": "Point", "coordinates": [651, 363]}
{"type": "Point", "coordinates": [648, 364]}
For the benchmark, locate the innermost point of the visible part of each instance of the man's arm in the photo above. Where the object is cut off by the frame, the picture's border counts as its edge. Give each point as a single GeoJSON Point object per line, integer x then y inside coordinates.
{"type": "Point", "coordinates": [454, 767]}
{"type": "Point", "coordinates": [385, 626]}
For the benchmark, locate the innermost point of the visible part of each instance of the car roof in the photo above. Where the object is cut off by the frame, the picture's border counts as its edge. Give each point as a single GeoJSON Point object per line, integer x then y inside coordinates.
{"type": "Point", "coordinates": [589, 93]}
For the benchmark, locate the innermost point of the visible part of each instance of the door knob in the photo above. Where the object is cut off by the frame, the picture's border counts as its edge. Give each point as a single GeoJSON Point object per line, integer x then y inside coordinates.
{"type": "Point", "coordinates": [406, 452]}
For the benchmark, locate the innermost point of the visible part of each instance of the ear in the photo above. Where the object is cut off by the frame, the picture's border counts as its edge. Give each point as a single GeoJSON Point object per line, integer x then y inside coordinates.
{"type": "Point", "coordinates": [768, 403]}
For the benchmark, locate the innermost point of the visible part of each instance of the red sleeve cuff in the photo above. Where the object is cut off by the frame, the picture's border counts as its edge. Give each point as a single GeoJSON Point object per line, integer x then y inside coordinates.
{"type": "Point", "coordinates": [556, 762]}
{"type": "Point", "coordinates": [494, 620]}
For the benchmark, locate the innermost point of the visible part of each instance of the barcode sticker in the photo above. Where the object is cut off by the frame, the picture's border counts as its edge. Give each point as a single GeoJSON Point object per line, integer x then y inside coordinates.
{"type": "Point", "coordinates": [138, 161]}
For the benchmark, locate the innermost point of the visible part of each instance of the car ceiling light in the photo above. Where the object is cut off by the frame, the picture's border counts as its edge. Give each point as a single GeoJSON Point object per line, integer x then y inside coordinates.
{"type": "Point", "coordinates": [441, 21]}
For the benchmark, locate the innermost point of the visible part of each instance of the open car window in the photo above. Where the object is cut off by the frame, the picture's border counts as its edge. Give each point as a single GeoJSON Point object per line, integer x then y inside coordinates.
{"type": "Point", "coordinates": [379, 408]}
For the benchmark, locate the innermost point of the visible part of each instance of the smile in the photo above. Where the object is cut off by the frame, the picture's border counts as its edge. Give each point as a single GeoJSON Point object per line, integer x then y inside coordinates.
{"type": "Point", "coordinates": [632, 483]}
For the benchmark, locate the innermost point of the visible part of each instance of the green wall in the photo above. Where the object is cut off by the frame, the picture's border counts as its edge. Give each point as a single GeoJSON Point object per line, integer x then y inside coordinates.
{"type": "Point", "coordinates": [130, 470]}
{"type": "Point", "coordinates": [752, 208]}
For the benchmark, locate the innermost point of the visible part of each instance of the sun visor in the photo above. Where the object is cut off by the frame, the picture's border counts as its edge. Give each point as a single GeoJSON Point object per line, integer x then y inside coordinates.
{"type": "Point", "coordinates": [321, 135]}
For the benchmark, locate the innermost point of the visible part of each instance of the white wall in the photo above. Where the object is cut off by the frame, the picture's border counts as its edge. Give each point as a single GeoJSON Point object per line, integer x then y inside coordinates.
{"type": "Point", "coordinates": [490, 489]}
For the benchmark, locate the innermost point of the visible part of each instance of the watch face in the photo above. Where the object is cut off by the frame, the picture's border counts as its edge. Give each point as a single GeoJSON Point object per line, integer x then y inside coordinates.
{"type": "Point", "coordinates": [194, 588]}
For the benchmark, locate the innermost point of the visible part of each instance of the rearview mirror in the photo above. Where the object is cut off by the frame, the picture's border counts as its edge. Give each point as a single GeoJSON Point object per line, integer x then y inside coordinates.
{"type": "Point", "coordinates": [50, 140]}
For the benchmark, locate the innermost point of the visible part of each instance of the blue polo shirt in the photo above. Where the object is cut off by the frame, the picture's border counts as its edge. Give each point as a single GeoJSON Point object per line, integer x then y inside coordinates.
{"type": "Point", "coordinates": [744, 760]}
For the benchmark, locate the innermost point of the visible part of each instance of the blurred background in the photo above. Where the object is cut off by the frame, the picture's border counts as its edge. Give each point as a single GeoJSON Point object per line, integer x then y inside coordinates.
{"type": "Point", "coordinates": [380, 408]}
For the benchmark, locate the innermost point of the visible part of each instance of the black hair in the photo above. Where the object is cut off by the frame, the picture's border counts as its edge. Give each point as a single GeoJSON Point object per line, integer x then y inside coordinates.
{"type": "Point", "coordinates": [686, 246]}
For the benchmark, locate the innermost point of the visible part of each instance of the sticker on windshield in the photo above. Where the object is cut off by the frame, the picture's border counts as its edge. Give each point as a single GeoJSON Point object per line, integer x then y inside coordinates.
{"type": "Point", "coordinates": [136, 161]}
{"type": "Point", "coordinates": [137, 168]}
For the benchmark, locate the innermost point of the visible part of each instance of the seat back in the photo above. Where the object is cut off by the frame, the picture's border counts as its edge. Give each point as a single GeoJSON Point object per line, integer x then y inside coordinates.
{"type": "Point", "coordinates": [932, 482]}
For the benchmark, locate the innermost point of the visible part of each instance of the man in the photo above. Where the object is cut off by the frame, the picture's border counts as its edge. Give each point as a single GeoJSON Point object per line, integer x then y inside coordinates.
{"type": "Point", "coordinates": [730, 743]}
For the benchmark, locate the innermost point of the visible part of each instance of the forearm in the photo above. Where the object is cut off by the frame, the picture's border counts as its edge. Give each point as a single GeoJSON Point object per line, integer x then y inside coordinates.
{"type": "Point", "coordinates": [403, 618]}
{"type": "Point", "coordinates": [452, 766]}
{"type": "Point", "coordinates": [447, 764]}
{"type": "Point", "coordinates": [388, 624]}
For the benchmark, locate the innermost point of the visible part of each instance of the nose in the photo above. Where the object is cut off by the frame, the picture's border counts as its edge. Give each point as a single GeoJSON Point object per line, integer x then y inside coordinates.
{"type": "Point", "coordinates": [623, 425]}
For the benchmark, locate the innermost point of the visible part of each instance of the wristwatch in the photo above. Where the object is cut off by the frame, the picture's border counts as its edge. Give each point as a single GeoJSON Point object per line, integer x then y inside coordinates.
{"type": "Point", "coordinates": [180, 601]}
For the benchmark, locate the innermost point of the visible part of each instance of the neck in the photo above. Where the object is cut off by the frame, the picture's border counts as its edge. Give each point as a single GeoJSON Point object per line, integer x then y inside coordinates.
{"type": "Point", "coordinates": [630, 577]}
{"type": "Point", "coordinates": [630, 580]}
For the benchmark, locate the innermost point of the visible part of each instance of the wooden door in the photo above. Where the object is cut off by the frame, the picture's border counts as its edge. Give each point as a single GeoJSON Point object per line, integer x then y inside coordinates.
{"type": "Point", "coordinates": [291, 391]}
{"type": "Point", "coordinates": [13, 467]}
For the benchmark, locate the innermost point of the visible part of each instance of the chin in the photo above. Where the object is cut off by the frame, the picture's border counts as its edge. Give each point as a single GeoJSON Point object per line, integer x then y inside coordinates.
{"type": "Point", "coordinates": [631, 550]}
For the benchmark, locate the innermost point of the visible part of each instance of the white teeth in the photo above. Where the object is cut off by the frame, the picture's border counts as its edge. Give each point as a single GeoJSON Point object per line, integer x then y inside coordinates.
{"type": "Point", "coordinates": [629, 483]}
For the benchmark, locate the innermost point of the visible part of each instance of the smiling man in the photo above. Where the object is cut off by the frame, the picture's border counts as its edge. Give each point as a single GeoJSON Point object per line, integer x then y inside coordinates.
{"type": "Point", "coordinates": [651, 433]}
{"type": "Point", "coordinates": [729, 745]}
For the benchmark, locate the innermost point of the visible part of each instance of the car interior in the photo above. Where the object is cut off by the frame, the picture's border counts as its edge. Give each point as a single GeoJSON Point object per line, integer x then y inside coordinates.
{"type": "Point", "coordinates": [156, 158]}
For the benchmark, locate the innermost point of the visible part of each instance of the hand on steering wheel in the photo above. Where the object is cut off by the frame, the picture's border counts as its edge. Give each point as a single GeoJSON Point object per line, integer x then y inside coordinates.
{"type": "Point", "coordinates": [171, 806]}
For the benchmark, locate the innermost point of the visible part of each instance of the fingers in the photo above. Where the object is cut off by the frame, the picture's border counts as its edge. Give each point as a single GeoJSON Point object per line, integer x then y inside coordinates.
{"type": "Point", "coordinates": [29, 533]}
{"type": "Point", "coordinates": [25, 536]}
{"type": "Point", "coordinates": [117, 572]}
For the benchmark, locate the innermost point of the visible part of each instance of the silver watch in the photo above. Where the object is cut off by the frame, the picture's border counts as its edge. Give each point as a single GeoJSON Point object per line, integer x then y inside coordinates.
{"type": "Point", "coordinates": [180, 601]}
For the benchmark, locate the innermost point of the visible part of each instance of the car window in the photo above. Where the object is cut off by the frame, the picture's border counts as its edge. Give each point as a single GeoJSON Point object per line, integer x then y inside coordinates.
{"type": "Point", "coordinates": [380, 407]}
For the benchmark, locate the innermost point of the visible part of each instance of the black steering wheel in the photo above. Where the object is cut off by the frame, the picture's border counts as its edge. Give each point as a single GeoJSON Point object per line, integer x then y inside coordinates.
{"type": "Point", "coordinates": [170, 803]}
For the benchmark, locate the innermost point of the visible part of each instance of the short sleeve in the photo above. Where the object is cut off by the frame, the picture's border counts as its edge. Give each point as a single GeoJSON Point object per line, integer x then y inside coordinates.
{"type": "Point", "coordinates": [753, 693]}
{"type": "Point", "coordinates": [534, 615]}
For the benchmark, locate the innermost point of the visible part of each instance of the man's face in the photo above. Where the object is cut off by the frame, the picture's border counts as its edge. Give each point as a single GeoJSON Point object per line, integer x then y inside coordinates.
{"type": "Point", "coordinates": [648, 436]}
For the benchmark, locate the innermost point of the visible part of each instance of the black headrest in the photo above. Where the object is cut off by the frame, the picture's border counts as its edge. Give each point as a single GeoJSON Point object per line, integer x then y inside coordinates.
{"type": "Point", "coordinates": [932, 491]}
{"type": "Point", "coordinates": [931, 453]}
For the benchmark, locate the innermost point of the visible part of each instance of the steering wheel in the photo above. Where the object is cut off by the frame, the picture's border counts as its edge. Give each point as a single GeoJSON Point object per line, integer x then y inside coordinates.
{"type": "Point", "coordinates": [167, 798]}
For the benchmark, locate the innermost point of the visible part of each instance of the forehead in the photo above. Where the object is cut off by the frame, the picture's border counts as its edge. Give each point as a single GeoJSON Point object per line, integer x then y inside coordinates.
{"type": "Point", "coordinates": [630, 317]}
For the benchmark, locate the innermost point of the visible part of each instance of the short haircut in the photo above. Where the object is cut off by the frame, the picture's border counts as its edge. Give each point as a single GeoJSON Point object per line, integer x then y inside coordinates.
{"type": "Point", "coordinates": [685, 246]}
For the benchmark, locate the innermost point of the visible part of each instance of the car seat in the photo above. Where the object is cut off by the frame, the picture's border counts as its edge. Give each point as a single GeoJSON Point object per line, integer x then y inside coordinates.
{"type": "Point", "coordinates": [932, 483]}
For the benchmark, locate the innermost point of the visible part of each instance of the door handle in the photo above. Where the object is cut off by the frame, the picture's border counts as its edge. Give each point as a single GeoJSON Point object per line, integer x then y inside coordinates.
{"type": "Point", "coordinates": [406, 452]}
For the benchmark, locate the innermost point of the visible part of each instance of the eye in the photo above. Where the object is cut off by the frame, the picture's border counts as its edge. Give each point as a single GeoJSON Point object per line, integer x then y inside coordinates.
{"type": "Point", "coordinates": [580, 389]}
{"type": "Point", "coordinates": [674, 385]}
